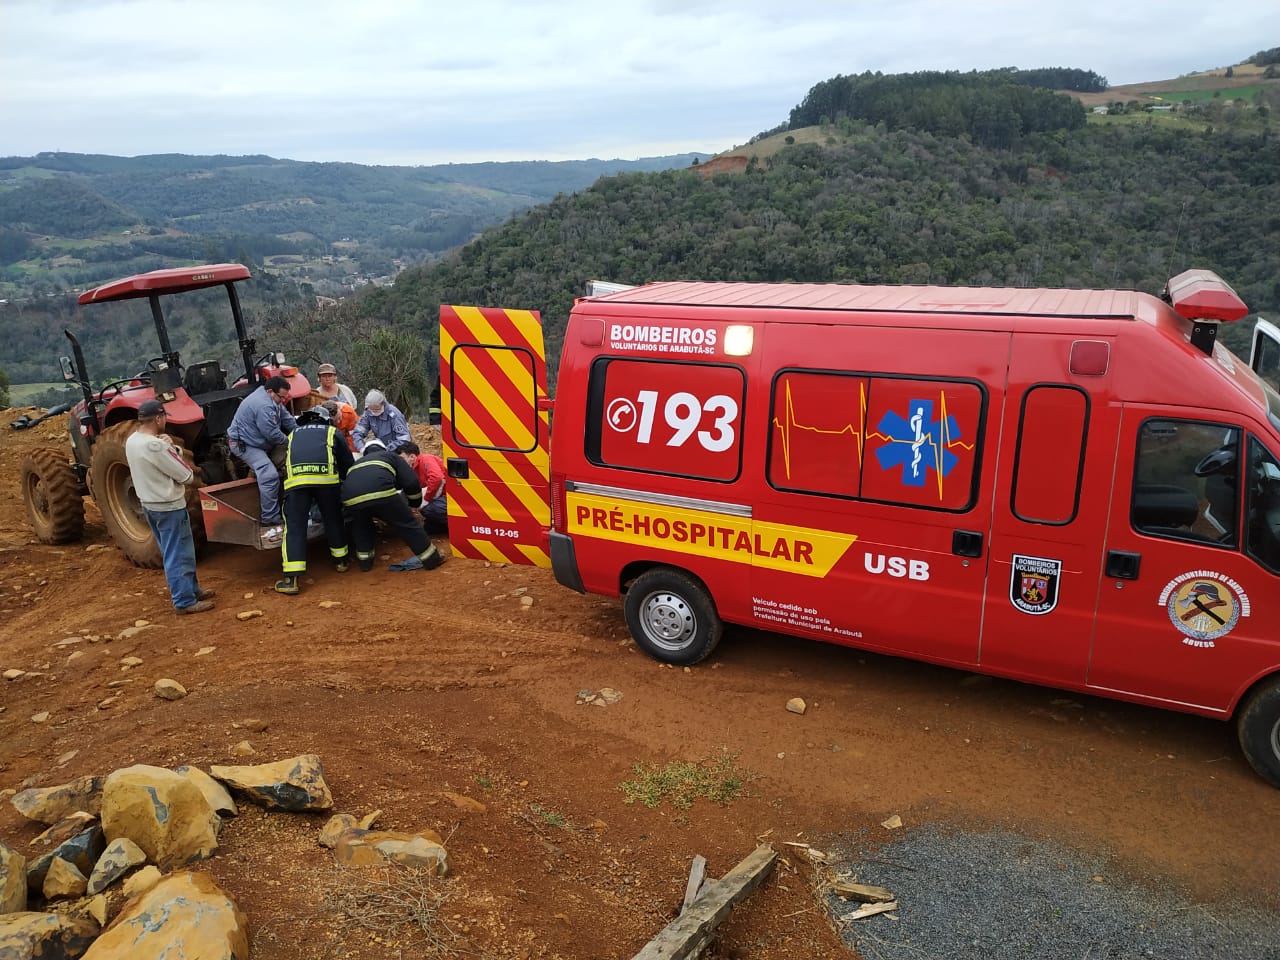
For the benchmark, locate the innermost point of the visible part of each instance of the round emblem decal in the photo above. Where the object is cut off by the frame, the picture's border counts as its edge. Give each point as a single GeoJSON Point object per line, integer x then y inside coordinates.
{"type": "Point", "coordinates": [1204, 605]}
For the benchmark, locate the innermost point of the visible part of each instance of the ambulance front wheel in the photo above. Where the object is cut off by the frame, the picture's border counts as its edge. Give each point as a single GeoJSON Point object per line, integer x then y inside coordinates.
{"type": "Point", "coordinates": [672, 617]}
{"type": "Point", "coordinates": [1259, 727]}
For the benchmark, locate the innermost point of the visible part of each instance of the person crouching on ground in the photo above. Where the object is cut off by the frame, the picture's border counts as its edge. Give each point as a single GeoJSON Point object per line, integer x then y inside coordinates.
{"type": "Point", "coordinates": [431, 473]}
{"type": "Point", "coordinates": [160, 475]}
{"type": "Point", "coordinates": [377, 487]}
{"type": "Point", "coordinates": [382, 420]}
{"type": "Point", "coordinates": [258, 435]}
{"type": "Point", "coordinates": [317, 461]}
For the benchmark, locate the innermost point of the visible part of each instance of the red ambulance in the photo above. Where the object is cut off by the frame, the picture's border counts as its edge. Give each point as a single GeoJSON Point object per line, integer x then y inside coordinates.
{"type": "Point", "coordinates": [1076, 488]}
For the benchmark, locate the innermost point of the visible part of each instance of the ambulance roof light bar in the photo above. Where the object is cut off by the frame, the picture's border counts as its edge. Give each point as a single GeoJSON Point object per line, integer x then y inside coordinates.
{"type": "Point", "coordinates": [1203, 295]}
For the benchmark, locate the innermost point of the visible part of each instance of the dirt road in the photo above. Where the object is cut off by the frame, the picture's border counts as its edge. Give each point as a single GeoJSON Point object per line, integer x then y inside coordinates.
{"type": "Point", "coordinates": [412, 686]}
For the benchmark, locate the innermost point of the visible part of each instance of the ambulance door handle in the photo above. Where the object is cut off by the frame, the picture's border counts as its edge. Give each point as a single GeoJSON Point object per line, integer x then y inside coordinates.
{"type": "Point", "coordinates": [1122, 565]}
{"type": "Point", "coordinates": [458, 469]}
{"type": "Point", "coordinates": [966, 543]}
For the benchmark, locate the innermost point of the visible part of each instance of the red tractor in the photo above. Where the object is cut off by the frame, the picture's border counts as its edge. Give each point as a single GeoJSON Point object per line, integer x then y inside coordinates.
{"type": "Point", "coordinates": [223, 498]}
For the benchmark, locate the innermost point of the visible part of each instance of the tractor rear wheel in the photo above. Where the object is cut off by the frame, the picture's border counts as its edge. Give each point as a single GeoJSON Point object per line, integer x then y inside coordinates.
{"type": "Point", "coordinates": [112, 487]}
{"type": "Point", "coordinates": [51, 493]}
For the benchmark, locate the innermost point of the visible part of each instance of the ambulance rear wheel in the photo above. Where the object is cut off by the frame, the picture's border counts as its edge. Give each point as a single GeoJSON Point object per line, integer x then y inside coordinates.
{"type": "Point", "coordinates": [1258, 725]}
{"type": "Point", "coordinates": [671, 616]}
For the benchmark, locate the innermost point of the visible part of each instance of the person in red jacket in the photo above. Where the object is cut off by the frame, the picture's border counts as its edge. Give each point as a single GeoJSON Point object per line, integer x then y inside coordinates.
{"type": "Point", "coordinates": [431, 474]}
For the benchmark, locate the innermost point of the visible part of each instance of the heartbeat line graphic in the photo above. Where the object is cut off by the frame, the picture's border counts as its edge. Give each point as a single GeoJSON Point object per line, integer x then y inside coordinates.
{"type": "Point", "coordinates": [916, 444]}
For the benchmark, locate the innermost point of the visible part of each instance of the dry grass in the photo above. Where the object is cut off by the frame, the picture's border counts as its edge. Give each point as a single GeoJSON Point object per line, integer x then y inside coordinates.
{"type": "Point", "coordinates": [399, 906]}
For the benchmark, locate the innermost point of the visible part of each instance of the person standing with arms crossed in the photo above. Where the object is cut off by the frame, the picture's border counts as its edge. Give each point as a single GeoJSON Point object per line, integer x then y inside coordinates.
{"type": "Point", "coordinates": [160, 475]}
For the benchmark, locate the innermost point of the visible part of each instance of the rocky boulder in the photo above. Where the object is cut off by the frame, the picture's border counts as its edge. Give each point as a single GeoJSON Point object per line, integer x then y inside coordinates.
{"type": "Point", "coordinates": [161, 811]}
{"type": "Point", "coordinates": [184, 915]}
{"type": "Point", "coordinates": [121, 856]}
{"type": "Point", "coordinates": [63, 880]}
{"type": "Point", "coordinates": [364, 848]}
{"type": "Point", "coordinates": [50, 804]}
{"type": "Point", "coordinates": [45, 935]}
{"type": "Point", "coordinates": [213, 791]}
{"type": "Point", "coordinates": [13, 881]}
{"type": "Point", "coordinates": [296, 785]}
{"type": "Point", "coordinates": [81, 851]}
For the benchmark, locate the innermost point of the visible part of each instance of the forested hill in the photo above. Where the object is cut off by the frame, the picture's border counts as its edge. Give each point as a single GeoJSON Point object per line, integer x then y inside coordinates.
{"type": "Point", "coordinates": [1118, 206]}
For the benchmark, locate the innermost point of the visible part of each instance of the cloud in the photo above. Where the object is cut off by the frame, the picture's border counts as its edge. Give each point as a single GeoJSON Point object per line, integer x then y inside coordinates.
{"type": "Point", "coordinates": [390, 82]}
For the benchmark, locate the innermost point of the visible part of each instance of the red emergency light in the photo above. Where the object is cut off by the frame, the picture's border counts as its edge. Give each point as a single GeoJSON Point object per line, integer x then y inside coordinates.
{"type": "Point", "coordinates": [1203, 295]}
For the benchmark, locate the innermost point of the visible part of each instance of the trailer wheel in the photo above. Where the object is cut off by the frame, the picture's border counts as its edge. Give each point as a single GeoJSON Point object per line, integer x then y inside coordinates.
{"type": "Point", "coordinates": [112, 487]}
{"type": "Point", "coordinates": [1258, 726]}
{"type": "Point", "coordinates": [51, 494]}
{"type": "Point", "coordinates": [672, 617]}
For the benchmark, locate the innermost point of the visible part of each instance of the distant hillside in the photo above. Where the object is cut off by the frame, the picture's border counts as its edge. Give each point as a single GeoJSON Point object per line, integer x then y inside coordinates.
{"type": "Point", "coordinates": [75, 220]}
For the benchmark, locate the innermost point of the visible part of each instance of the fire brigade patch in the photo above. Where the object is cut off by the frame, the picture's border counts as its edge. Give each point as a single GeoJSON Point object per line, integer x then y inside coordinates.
{"type": "Point", "coordinates": [1204, 605]}
{"type": "Point", "coordinates": [1033, 584]}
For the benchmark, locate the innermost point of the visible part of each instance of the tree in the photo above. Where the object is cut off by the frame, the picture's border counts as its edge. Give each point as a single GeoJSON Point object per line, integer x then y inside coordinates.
{"type": "Point", "coordinates": [4, 389]}
{"type": "Point", "coordinates": [395, 361]}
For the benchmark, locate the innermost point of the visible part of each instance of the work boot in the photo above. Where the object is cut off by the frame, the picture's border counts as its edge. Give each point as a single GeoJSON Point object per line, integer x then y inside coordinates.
{"type": "Point", "coordinates": [342, 565]}
{"type": "Point", "coordinates": [200, 606]}
{"type": "Point", "coordinates": [366, 563]}
{"type": "Point", "coordinates": [432, 558]}
{"type": "Point", "coordinates": [203, 594]}
{"type": "Point", "coordinates": [287, 585]}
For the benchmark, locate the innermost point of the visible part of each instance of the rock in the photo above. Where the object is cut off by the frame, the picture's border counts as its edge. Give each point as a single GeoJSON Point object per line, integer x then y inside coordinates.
{"type": "Point", "coordinates": [141, 882]}
{"type": "Point", "coordinates": [121, 856]}
{"type": "Point", "coordinates": [133, 631]}
{"type": "Point", "coordinates": [67, 757]}
{"type": "Point", "coordinates": [369, 819]}
{"type": "Point", "coordinates": [609, 695]}
{"type": "Point", "coordinates": [65, 829]}
{"type": "Point", "coordinates": [40, 717]}
{"type": "Point", "coordinates": [463, 802]}
{"type": "Point", "coordinates": [13, 881]}
{"type": "Point", "coordinates": [329, 604]}
{"type": "Point", "coordinates": [51, 935]}
{"type": "Point", "coordinates": [243, 749]}
{"type": "Point", "coordinates": [336, 826]}
{"type": "Point", "coordinates": [184, 915]}
{"type": "Point", "coordinates": [167, 689]}
{"type": "Point", "coordinates": [365, 848]}
{"type": "Point", "coordinates": [129, 662]}
{"type": "Point", "coordinates": [48, 805]}
{"type": "Point", "coordinates": [248, 614]}
{"type": "Point", "coordinates": [213, 791]}
{"type": "Point", "coordinates": [296, 784]}
{"type": "Point", "coordinates": [526, 601]}
{"type": "Point", "coordinates": [254, 725]}
{"type": "Point", "coordinates": [893, 823]}
{"type": "Point", "coordinates": [161, 811]}
{"type": "Point", "coordinates": [796, 705]}
{"type": "Point", "coordinates": [205, 651]}
{"type": "Point", "coordinates": [82, 850]}
{"type": "Point", "coordinates": [63, 880]}
{"type": "Point", "coordinates": [14, 674]}
{"type": "Point", "coordinates": [99, 908]}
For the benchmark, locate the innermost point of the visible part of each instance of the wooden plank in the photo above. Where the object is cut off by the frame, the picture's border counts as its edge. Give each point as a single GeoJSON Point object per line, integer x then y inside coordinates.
{"type": "Point", "coordinates": [861, 891]}
{"type": "Point", "coordinates": [697, 874]}
{"type": "Point", "coordinates": [870, 910]}
{"type": "Point", "coordinates": [686, 935]}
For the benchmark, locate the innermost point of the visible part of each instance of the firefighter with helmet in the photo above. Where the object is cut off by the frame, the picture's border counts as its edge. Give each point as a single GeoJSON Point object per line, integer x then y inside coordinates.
{"type": "Point", "coordinates": [316, 464]}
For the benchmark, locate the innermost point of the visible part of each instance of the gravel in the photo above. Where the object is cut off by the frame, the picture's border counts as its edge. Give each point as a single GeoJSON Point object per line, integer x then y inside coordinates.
{"type": "Point", "coordinates": [1000, 896]}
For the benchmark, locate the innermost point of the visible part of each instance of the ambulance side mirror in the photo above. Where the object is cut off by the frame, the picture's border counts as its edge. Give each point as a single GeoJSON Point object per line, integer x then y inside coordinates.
{"type": "Point", "coordinates": [1220, 461]}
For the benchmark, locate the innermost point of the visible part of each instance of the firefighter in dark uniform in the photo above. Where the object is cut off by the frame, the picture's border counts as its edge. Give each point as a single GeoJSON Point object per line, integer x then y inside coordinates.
{"type": "Point", "coordinates": [382, 485]}
{"type": "Point", "coordinates": [317, 461]}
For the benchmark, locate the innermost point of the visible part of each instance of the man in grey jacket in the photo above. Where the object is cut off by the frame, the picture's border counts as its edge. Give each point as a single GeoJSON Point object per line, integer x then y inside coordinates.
{"type": "Point", "coordinates": [258, 435]}
{"type": "Point", "coordinates": [160, 475]}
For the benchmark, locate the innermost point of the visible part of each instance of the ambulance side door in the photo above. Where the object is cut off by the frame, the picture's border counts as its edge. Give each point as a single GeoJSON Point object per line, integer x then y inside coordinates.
{"type": "Point", "coordinates": [494, 428]}
{"type": "Point", "coordinates": [1186, 603]}
{"type": "Point", "coordinates": [1050, 514]}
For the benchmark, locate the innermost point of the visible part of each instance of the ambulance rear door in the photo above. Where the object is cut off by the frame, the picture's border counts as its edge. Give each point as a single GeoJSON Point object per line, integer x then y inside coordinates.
{"type": "Point", "coordinates": [494, 427]}
{"type": "Point", "coordinates": [1265, 354]}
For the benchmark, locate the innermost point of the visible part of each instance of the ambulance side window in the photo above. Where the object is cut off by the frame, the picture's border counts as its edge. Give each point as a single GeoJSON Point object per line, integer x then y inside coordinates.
{"type": "Point", "coordinates": [1050, 459]}
{"type": "Point", "coordinates": [891, 439]}
{"type": "Point", "coordinates": [1186, 482]}
{"type": "Point", "coordinates": [657, 416]}
{"type": "Point", "coordinates": [1262, 511]}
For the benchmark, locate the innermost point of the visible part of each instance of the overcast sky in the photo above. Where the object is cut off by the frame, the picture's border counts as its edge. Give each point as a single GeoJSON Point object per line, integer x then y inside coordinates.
{"type": "Point", "coordinates": [405, 82]}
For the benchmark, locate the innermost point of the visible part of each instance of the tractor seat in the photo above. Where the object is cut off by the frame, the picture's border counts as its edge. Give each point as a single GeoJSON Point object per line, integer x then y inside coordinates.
{"type": "Point", "coordinates": [206, 377]}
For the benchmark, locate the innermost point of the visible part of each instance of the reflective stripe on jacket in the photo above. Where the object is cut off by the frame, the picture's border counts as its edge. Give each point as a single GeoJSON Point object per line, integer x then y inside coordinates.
{"type": "Point", "coordinates": [380, 475]}
{"type": "Point", "coordinates": [310, 461]}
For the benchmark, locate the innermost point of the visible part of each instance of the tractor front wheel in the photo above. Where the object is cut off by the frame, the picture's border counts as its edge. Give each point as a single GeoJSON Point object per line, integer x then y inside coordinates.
{"type": "Point", "coordinates": [51, 494]}
{"type": "Point", "coordinates": [112, 486]}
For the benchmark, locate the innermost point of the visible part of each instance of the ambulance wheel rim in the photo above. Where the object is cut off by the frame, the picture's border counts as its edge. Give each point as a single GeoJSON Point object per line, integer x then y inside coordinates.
{"type": "Point", "coordinates": [668, 620]}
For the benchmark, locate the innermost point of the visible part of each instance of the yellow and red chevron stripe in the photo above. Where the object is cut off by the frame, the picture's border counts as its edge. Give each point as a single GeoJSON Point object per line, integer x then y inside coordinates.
{"type": "Point", "coordinates": [493, 384]}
